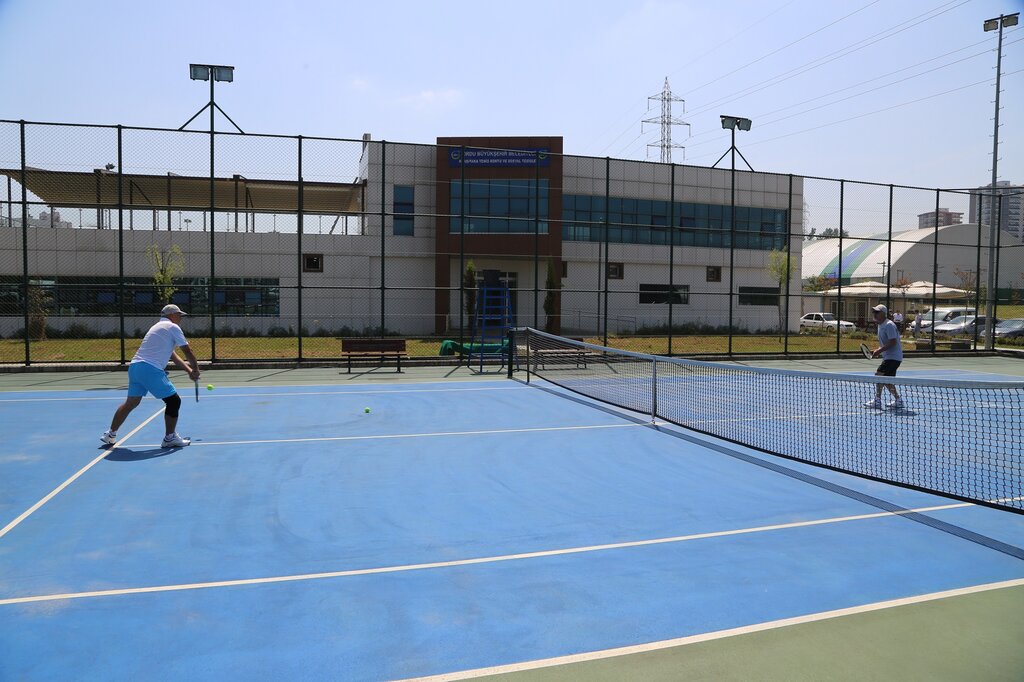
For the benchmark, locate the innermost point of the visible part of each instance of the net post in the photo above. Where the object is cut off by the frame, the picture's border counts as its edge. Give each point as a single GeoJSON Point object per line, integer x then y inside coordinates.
{"type": "Point", "coordinates": [510, 341]}
{"type": "Point", "coordinates": [527, 332]}
{"type": "Point", "coordinates": [654, 391]}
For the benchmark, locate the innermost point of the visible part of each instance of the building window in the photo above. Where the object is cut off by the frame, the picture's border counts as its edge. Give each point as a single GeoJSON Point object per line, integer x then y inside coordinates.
{"type": "Point", "coordinates": [615, 270]}
{"type": "Point", "coordinates": [678, 294]}
{"type": "Point", "coordinates": [509, 206]}
{"type": "Point", "coordinates": [312, 262]}
{"type": "Point", "coordinates": [759, 296]}
{"type": "Point", "coordinates": [714, 273]}
{"type": "Point", "coordinates": [404, 207]}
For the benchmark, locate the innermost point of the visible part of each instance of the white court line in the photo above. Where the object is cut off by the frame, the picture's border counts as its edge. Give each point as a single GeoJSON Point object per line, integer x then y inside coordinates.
{"type": "Point", "coordinates": [469, 562]}
{"type": "Point", "coordinates": [279, 394]}
{"type": "Point", "coordinates": [409, 435]}
{"type": "Point", "coordinates": [28, 512]}
{"type": "Point", "coordinates": [719, 634]}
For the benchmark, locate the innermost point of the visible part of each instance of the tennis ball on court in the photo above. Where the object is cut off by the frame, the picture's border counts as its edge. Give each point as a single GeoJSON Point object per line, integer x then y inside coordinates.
{"type": "Point", "coordinates": [366, 410]}
{"type": "Point", "coordinates": [209, 387]}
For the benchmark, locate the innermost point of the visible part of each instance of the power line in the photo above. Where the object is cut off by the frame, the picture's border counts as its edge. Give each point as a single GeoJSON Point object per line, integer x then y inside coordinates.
{"type": "Point", "coordinates": [877, 111]}
{"type": "Point", "coordinates": [835, 55]}
{"type": "Point", "coordinates": [830, 57]}
{"type": "Point", "coordinates": [720, 45]}
{"type": "Point", "coordinates": [865, 92]}
{"type": "Point", "coordinates": [787, 45]}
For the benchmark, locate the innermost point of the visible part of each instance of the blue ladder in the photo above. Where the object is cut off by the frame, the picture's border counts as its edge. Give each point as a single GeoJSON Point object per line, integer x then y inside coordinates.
{"type": "Point", "coordinates": [493, 321]}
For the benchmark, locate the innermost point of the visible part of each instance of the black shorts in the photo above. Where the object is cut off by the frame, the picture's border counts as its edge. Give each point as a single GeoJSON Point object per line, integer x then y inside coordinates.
{"type": "Point", "coordinates": [888, 368]}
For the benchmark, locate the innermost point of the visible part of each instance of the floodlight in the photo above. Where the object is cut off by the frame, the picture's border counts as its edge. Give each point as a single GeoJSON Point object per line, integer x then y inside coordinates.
{"type": "Point", "coordinates": [201, 72]}
{"type": "Point", "coordinates": [991, 24]}
{"type": "Point", "coordinates": [1011, 20]}
{"type": "Point", "coordinates": [743, 124]}
{"type": "Point", "coordinates": [728, 122]}
{"type": "Point", "coordinates": [224, 73]}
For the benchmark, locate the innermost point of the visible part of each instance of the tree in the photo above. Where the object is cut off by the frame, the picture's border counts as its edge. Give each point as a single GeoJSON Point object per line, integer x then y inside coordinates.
{"type": "Point", "coordinates": [969, 284]}
{"type": "Point", "coordinates": [780, 265]}
{"type": "Point", "coordinates": [832, 233]}
{"type": "Point", "coordinates": [820, 283]}
{"type": "Point", "coordinates": [469, 286]}
{"type": "Point", "coordinates": [166, 266]}
{"type": "Point", "coordinates": [39, 301]}
{"type": "Point", "coordinates": [903, 285]}
{"type": "Point", "coordinates": [551, 299]}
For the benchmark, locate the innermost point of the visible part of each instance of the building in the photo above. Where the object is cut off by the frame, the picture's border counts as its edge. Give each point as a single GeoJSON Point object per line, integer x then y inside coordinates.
{"type": "Point", "coordinates": [579, 240]}
{"type": "Point", "coordinates": [951, 256]}
{"type": "Point", "coordinates": [1011, 207]}
{"type": "Point", "coordinates": [944, 215]}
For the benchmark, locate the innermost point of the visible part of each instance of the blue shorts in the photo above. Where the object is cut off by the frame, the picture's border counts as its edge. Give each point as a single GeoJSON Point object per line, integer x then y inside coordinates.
{"type": "Point", "coordinates": [145, 378]}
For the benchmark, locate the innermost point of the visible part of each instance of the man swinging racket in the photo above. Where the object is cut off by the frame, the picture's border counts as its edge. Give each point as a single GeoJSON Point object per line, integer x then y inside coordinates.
{"type": "Point", "coordinates": [146, 375]}
{"type": "Point", "coordinates": [891, 352]}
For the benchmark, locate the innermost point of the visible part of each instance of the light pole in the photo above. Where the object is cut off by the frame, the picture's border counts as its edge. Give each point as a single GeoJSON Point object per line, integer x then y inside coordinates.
{"type": "Point", "coordinates": [212, 73]}
{"type": "Point", "coordinates": [188, 224]}
{"type": "Point", "coordinates": [999, 23]}
{"type": "Point", "coordinates": [732, 123]}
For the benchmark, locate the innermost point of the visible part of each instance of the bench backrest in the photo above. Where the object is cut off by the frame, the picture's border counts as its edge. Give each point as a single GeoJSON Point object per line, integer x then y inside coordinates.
{"type": "Point", "coordinates": [373, 345]}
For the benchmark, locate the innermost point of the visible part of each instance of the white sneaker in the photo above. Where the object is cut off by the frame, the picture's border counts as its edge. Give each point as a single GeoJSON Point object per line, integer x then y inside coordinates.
{"type": "Point", "coordinates": [895, 405]}
{"type": "Point", "coordinates": [109, 437]}
{"type": "Point", "coordinates": [173, 440]}
{"type": "Point", "coordinates": [874, 404]}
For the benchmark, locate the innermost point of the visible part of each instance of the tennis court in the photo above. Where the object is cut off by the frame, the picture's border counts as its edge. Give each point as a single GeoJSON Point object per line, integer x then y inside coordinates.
{"type": "Point", "coordinates": [473, 526]}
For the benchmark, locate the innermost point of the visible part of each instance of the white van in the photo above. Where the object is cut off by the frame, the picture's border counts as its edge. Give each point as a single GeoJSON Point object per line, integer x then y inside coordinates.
{"type": "Point", "coordinates": [941, 316]}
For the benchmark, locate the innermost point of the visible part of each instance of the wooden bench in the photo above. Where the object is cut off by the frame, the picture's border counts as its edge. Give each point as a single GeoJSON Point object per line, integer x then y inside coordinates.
{"type": "Point", "coordinates": [954, 344]}
{"type": "Point", "coordinates": [379, 349]}
{"type": "Point", "coordinates": [579, 356]}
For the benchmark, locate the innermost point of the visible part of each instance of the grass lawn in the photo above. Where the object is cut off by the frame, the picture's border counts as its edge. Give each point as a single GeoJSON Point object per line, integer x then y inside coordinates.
{"type": "Point", "coordinates": [79, 350]}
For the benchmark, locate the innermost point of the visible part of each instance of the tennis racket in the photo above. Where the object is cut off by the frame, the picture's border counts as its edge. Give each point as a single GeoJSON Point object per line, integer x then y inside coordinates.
{"type": "Point", "coordinates": [196, 382]}
{"type": "Point", "coordinates": [866, 351]}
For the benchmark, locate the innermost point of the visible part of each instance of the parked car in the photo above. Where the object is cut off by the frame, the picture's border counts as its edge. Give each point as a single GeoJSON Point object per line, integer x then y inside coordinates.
{"type": "Point", "coordinates": [943, 315]}
{"type": "Point", "coordinates": [825, 321]}
{"type": "Point", "coordinates": [964, 325]}
{"type": "Point", "coordinates": [1010, 329]}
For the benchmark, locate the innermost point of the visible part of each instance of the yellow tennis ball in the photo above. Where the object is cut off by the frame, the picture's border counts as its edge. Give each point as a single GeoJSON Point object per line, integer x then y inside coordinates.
{"type": "Point", "coordinates": [366, 410]}
{"type": "Point", "coordinates": [209, 387]}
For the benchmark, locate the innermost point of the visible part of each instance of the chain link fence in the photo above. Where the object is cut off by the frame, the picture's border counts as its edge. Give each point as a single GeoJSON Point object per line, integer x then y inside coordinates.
{"type": "Point", "coordinates": [279, 247]}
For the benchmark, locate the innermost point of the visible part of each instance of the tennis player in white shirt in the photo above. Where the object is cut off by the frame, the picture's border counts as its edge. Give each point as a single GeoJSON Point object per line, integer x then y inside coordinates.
{"type": "Point", "coordinates": [146, 375]}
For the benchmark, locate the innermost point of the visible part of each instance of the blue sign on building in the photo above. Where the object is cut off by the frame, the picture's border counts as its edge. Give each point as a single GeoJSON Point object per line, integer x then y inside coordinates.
{"type": "Point", "coordinates": [509, 158]}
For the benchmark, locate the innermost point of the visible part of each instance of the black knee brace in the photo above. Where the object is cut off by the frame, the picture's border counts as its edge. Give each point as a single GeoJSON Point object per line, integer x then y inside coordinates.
{"type": "Point", "coordinates": [173, 403]}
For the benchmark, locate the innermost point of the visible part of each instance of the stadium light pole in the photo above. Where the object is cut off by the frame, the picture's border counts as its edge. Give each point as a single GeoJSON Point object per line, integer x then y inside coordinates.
{"type": "Point", "coordinates": [212, 73]}
{"type": "Point", "coordinates": [999, 23]}
{"type": "Point", "coordinates": [731, 123]}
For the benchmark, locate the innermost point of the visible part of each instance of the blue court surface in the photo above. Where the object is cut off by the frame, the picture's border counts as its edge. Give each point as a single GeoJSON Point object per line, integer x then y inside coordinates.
{"type": "Point", "coordinates": [458, 527]}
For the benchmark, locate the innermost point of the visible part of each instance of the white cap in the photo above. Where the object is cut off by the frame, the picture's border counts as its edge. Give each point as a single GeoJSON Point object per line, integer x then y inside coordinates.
{"type": "Point", "coordinates": [881, 309]}
{"type": "Point", "coordinates": [171, 309]}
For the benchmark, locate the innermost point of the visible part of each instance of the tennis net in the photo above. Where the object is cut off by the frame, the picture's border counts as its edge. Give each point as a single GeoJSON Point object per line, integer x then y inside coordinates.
{"type": "Point", "coordinates": [962, 439]}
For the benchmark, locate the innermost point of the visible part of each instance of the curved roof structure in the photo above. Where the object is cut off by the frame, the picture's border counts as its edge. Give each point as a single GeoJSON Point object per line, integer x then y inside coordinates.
{"type": "Point", "coordinates": [862, 257]}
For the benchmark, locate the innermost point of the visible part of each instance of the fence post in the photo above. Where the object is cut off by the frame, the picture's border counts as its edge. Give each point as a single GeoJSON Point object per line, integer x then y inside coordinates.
{"type": "Point", "coordinates": [672, 250]}
{"type": "Point", "coordinates": [462, 253]}
{"type": "Point", "coordinates": [789, 274]}
{"type": "Point", "coordinates": [888, 258]}
{"type": "Point", "coordinates": [977, 282]}
{"type": "Point", "coordinates": [654, 391]}
{"type": "Point", "coordinates": [120, 238]}
{"type": "Point", "coordinates": [997, 220]}
{"type": "Point", "coordinates": [24, 245]}
{"type": "Point", "coordinates": [935, 268]}
{"type": "Point", "coordinates": [298, 241]}
{"type": "Point", "coordinates": [839, 272]}
{"type": "Point", "coordinates": [213, 247]}
{"type": "Point", "coordinates": [383, 217]}
{"type": "Point", "coordinates": [536, 240]}
{"type": "Point", "coordinates": [607, 236]}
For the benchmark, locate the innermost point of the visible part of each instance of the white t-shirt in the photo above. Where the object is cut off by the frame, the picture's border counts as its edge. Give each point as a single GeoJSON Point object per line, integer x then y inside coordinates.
{"type": "Point", "coordinates": [886, 331]}
{"type": "Point", "coordinates": [159, 343]}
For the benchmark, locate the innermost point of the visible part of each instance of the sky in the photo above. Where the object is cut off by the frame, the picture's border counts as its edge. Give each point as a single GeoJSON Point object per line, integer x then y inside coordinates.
{"type": "Point", "coordinates": [894, 91]}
